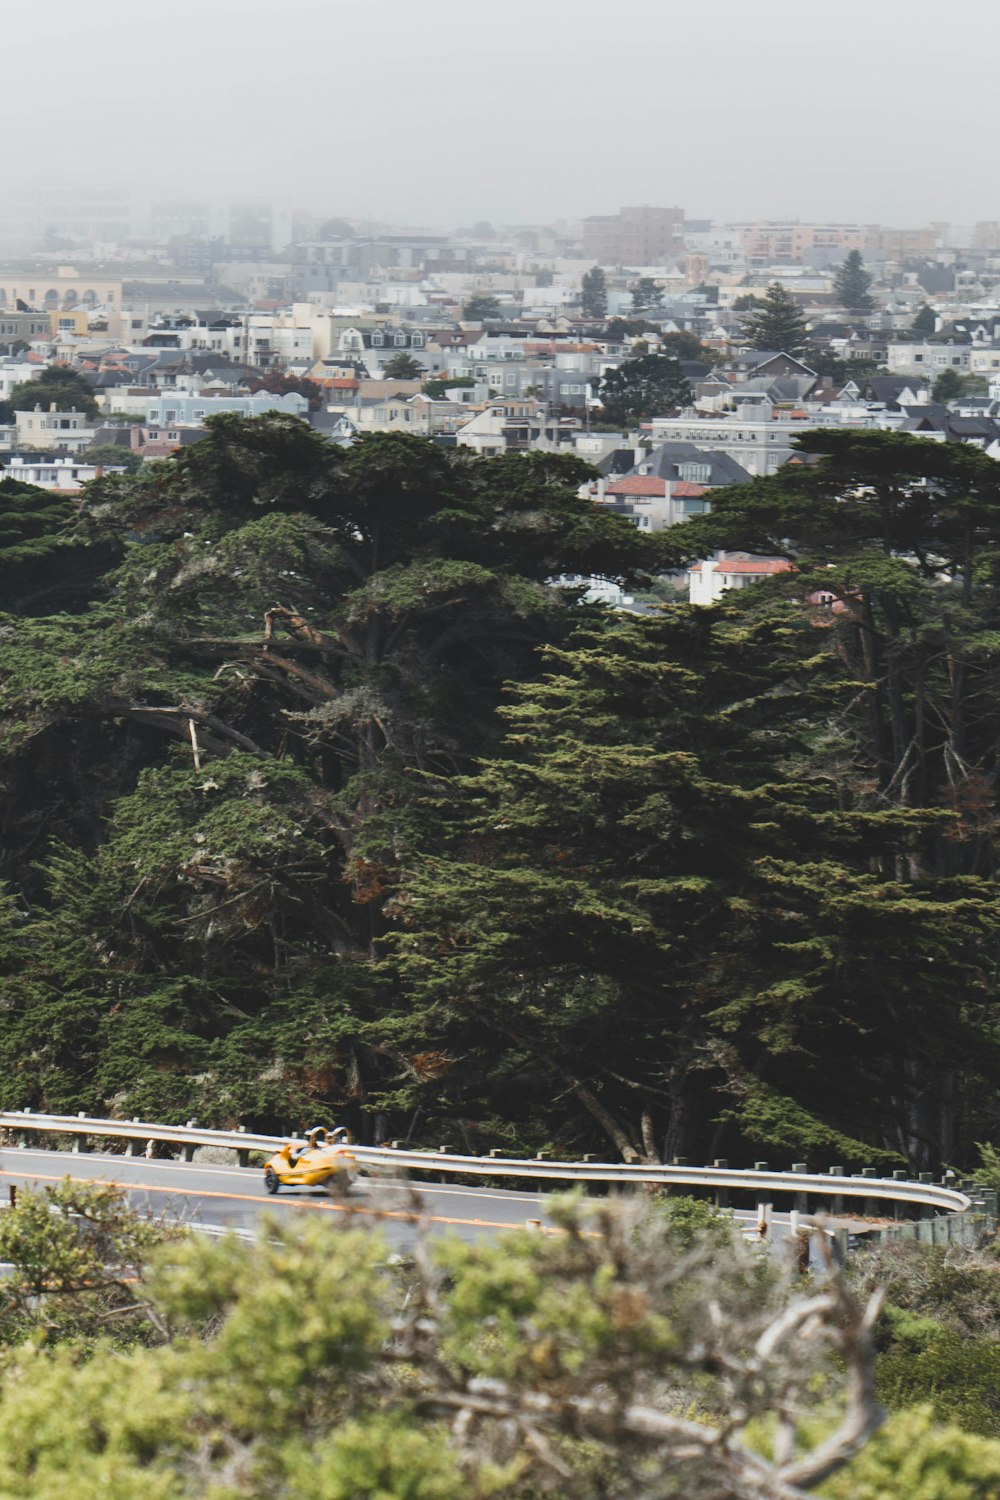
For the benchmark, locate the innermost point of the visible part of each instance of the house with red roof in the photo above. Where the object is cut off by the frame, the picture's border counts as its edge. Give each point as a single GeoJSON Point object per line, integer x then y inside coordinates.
{"type": "Point", "coordinates": [710, 579]}
{"type": "Point", "coordinates": [651, 502]}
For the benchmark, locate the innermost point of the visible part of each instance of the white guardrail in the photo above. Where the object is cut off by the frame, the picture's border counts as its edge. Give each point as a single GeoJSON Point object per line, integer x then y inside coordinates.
{"type": "Point", "coordinates": [926, 1194]}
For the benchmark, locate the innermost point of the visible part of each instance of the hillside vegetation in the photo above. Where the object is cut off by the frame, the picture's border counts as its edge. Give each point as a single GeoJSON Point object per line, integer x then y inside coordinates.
{"type": "Point", "coordinates": [322, 800]}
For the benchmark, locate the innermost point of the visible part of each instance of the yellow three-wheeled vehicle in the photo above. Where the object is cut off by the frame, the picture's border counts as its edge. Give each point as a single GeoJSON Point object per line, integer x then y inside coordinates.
{"type": "Point", "coordinates": [324, 1157]}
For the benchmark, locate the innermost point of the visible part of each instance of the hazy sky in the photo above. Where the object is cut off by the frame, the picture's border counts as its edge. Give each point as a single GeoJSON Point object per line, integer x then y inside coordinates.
{"type": "Point", "coordinates": [449, 111]}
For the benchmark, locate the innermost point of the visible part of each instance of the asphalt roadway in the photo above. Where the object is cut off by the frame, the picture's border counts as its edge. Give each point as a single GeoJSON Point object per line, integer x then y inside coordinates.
{"type": "Point", "coordinates": [217, 1198]}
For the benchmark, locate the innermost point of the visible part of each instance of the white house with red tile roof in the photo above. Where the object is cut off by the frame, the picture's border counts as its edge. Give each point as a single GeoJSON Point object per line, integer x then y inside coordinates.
{"type": "Point", "coordinates": [710, 579]}
{"type": "Point", "coordinates": [652, 503]}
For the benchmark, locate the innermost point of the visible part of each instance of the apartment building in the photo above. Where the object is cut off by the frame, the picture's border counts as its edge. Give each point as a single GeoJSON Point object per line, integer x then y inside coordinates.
{"type": "Point", "coordinates": [643, 236]}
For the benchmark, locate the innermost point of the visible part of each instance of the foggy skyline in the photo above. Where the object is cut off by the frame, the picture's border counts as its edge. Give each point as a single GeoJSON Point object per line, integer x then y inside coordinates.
{"type": "Point", "coordinates": [441, 114]}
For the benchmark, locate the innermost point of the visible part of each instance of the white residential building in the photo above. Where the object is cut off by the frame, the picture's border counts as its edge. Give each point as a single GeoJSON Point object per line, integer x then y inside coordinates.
{"type": "Point", "coordinates": [710, 579]}
{"type": "Point", "coordinates": [928, 359]}
{"type": "Point", "coordinates": [761, 443]}
{"type": "Point", "coordinates": [166, 408]}
{"type": "Point", "coordinates": [67, 474]}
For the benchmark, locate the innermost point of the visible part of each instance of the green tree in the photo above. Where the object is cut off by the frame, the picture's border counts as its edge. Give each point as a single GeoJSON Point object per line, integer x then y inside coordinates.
{"type": "Point", "coordinates": [925, 323]}
{"type": "Point", "coordinates": [594, 300]}
{"type": "Point", "coordinates": [646, 295]}
{"type": "Point", "coordinates": [638, 389]}
{"type": "Point", "coordinates": [686, 345]}
{"type": "Point", "coordinates": [44, 568]}
{"type": "Point", "coordinates": [852, 284]}
{"type": "Point", "coordinates": [569, 957]}
{"type": "Point", "coordinates": [56, 383]}
{"type": "Point", "coordinates": [619, 329]}
{"type": "Point", "coordinates": [77, 1255]}
{"type": "Point", "coordinates": [948, 386]}
{"type": "Point", "coordinates": [114, 455]}
{"type": "Point", "coordinates": [309, 628]}
{"type": "Point", "coordinates": [402, 366]}
{"type": "Point", "coordinates": [481, 308]}
{"type": "Point", "coordinates": [899, 531]}
{"type": "Point", "coordinates": [777, 324]}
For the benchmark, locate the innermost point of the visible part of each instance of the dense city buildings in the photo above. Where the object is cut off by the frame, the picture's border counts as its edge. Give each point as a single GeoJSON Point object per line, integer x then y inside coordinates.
{"type": "Point", "coordinates": [674, 354]}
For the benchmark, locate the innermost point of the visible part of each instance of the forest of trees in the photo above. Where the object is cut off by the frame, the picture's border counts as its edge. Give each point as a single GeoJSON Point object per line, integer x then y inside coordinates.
{"type": "Point", "coordinates": [329, 796]}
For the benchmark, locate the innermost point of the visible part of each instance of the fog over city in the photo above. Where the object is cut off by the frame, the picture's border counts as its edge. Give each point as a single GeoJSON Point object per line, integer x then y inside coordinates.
{"type": "Point", "coordinates": [445, 113]}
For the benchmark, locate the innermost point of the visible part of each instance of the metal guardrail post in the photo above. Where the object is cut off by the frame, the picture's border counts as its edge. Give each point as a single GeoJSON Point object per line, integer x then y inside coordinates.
{"type": "Point", "coordinates": [926, 1211]}
{"type": "Point", "coordinates": [187, 1150]}
{"type": "Point", "coordinates": [837, 1201]}
{"type": "Point", "coordinates": [899, 1175]}
{"type": "Point", "coordinates": [242, 1154]}
{"type": "Point", "coordinates": [763, 1196]}
{"type": "Point", "coordinates": [80, 1141]}
{"type": "Point", "coordinates": [133, 1146]}
{"type": "Point", "coordinates": [721, 1193]}
{"type": "Point", "coordinates": [801, 1199]}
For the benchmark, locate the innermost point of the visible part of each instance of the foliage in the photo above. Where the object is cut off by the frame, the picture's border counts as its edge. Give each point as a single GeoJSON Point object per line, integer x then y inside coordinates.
{"type": "Point", "coordinates": [619, 329]}
{"type": "Point", "coordinates": [711, 882]}
{"type": "Point", "coordinates": [402, 366]}
{"type": "Point", "coordinates": [777, 323]}
{"type": "Point", "coordinates": [948, 386]}
{"type": "Point", "coordinates": [638, 389]}
{"type": "Point", "coordinates": [114, 455]}
{"type": "Point", "coordinates": [925, 322]}
{"type": "Point", "coordinates": [303, 1366]}
{"type": "Point", "coordinates": [480, 308]}
{"type": "Point", "coordinates": [646, 295]}
{"type": "Point", "coordinates": [594, 290]}
{"type": "Point", "coordinates": [43, 568]}
{"type": "Point", "coordinates": [852, 284]}
{"type": "Point", "coordinates": [541, 947]}
{"type": "Point", "coordinates": [307, 627]}
{"type": "Point", "coordinates": [56, 383]}
{"type": "Point", "coordinates": [77, 1255]}
{"type": "Point", "coordinates": [685, 345]}
{"type": "Point", "coordinates": [912, 1456]}
{"type": "Point", "coordinates": [438, 388]}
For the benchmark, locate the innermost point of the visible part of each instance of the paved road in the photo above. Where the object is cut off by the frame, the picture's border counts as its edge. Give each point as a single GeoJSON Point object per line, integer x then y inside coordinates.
{"type": "Point", "coordinates": [234, 1197]}
{"type": "Point", "coordinates": [214, 1197]}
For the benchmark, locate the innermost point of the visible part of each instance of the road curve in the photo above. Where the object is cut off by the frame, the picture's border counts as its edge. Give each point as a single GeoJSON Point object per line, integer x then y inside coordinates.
{"type": "Point", "coordinates": [216, 1197]}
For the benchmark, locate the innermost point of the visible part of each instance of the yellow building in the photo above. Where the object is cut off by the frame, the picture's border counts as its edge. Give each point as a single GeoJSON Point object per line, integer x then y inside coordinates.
{"type": "Point", "coordinates": [51, 288]}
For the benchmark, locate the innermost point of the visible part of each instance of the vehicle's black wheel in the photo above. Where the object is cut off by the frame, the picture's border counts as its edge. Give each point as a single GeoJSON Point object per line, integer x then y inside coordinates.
{"type": "Point", "coordinates": [339, 1185]}
{"type": "Point", "coordinates": [271, 1182]}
